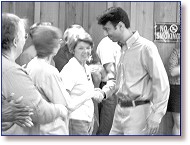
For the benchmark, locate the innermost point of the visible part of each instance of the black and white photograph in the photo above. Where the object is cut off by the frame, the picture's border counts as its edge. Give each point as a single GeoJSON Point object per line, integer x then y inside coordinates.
{"type": "Point", "coordinates": [92, 68]}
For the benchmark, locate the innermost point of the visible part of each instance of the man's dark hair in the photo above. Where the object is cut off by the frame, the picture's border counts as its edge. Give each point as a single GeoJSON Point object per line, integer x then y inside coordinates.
{"type": "Point", "coordinates": [114, 15]}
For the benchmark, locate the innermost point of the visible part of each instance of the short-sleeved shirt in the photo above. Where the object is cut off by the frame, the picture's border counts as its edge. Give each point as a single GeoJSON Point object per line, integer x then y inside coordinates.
{"type": "Point", "coordinates": [108, 51]}
{"type": "Point", "coordinates": [77, 81]}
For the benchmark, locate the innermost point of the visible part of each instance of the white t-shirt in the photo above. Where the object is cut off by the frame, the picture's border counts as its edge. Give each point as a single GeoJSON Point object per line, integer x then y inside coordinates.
{"type": "Point", "coordinates": [108, 51]}
{"type": "Point", "coordinates": [78, 82]}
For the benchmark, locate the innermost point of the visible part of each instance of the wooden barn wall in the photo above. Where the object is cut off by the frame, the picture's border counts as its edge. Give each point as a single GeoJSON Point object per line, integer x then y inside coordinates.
{"type": "Point", "coordinates": [142, 15]}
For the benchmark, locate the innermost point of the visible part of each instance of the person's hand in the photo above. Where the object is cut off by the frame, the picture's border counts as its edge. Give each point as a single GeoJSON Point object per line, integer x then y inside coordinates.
{"type": "Point", "coordinates": [63, 111]}
{"type": "Point", "coordinates": [152, 127]}
{"type": "Point", "coordinates": [98, 95]}
{"type": "Point", "coordinates": [15, 112]}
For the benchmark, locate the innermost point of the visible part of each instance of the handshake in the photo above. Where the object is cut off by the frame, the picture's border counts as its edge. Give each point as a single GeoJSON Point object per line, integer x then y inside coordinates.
{"type": "Point", "coordinates": [98, 95]}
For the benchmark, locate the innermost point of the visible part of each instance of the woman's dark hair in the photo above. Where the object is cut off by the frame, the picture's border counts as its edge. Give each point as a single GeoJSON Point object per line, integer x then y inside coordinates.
{"type": "Point", "coordinates": [114, 15]}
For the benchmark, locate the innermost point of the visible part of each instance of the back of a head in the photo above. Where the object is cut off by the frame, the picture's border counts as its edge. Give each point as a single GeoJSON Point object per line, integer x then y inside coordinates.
{"type": "Point", "coordinates": [114, 15]}
{"type": "Point", "coordinates": [45, 39]}
{"type": "Point", "coordinates": [10, 26]}
{"type": "Point", "coordinates": [36, 25]}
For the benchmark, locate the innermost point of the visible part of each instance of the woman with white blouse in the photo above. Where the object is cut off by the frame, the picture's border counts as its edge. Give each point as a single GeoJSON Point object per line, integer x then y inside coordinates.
{"type": "Point", "coordinates": [77, 79]}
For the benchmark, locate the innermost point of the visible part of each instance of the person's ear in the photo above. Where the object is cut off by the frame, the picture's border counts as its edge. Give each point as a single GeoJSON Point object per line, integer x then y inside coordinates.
{"type": "Point", "coordinates": [15, 40]}
{"type": "Point", "coordinates": [121, 25]}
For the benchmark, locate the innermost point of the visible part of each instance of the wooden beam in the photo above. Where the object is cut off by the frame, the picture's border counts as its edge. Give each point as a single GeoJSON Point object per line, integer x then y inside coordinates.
{"type": "Point", "coordinates": [37, 12]}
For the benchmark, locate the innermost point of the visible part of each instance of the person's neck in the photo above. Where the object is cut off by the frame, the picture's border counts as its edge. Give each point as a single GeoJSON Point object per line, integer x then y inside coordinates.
{"type": "Point", "coordinates": [81, 62]}
{"type": "Point", "coordinates": [126, 35]}
{"type": "Point", "coordinates": [48, 59]}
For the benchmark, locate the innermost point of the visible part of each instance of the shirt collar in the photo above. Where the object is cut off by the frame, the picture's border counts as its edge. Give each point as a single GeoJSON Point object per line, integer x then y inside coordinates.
{"type": "Point", "coordinates": [8, 57]}
{"type": "Point", "coordinates": [132, 39]}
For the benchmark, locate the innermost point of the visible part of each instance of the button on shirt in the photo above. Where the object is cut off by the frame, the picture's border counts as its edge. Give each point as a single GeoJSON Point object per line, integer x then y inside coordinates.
{"type": "Point", "coordinates": [141, 75]}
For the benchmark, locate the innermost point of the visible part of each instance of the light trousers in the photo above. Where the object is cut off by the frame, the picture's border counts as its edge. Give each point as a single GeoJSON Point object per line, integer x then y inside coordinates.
{"type": "Point", "coordinates": [130, 120]}
{"type": "Point", "coordinates": [80, 127]}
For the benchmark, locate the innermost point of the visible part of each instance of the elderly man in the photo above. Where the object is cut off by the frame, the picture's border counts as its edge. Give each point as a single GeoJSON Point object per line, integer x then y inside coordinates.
{"type": "Point", "coordinates": [15, 80]}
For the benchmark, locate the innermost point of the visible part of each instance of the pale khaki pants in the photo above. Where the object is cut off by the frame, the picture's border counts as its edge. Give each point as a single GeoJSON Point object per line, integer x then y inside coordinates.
{"type": "Point", "coordinates": [130, 120]}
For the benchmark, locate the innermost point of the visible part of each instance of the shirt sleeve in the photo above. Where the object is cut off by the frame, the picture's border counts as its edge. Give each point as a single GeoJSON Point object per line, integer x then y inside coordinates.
{"type": "Point", "coordinates": [18, 82]}
{"type": "Point", "coordinates": [105, 52]}
{"type": "Point", "coordinates": [160, 84]}
{"type": "Point", "coordinates": [68, 77]}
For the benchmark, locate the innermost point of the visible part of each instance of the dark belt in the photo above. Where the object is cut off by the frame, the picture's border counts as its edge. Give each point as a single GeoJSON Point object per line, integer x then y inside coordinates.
{"type": "Point", "coordinates": [125, 103]}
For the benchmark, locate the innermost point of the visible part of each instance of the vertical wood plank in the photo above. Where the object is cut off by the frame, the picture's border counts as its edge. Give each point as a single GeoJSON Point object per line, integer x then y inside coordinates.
{"type": "Point", "coordinates": [25, 10]}
{"type": "Point", "coordinates": [36, 12]}
{"type": "Point", "coordinates": [74, 13]}
{"type": "Point", "coordinates": [85, 14]}
{"type": "Point", "coordinates": [79, 13]}
{"type": "Point", "coordinates": [49, 12]}
{"type": "Point", "coordinates": [95, 30]}
{"type": "Point", "coordinates": [5, 7]}
{"type": "Point", "coordinates": [12, 7]}
{"type": "Point", "coordinates": [62, 17]}
{"type": "Point", "coordinates": [110, 4]}
{"type": "Point", "coordinates": [143, 19]}
{"type": "Point", "coordinates": [70, 12]}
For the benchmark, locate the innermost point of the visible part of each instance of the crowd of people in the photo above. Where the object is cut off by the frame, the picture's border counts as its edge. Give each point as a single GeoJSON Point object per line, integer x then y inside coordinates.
{"type": "Point", "coordinates": [65, 86]}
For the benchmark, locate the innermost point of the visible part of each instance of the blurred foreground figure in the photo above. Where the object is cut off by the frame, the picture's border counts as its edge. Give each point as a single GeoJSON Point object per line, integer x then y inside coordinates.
{"type": "Point", "coordinates": [16, 80]}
